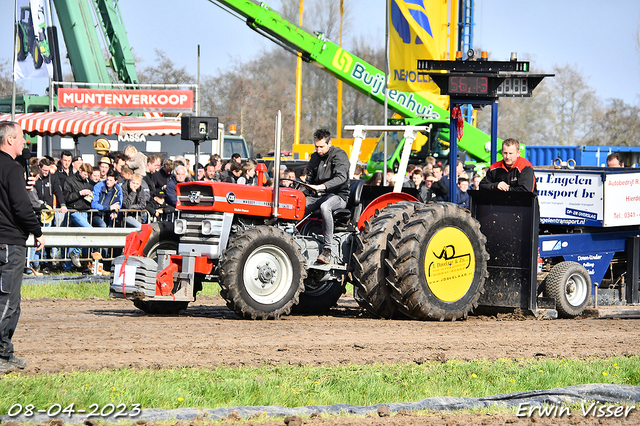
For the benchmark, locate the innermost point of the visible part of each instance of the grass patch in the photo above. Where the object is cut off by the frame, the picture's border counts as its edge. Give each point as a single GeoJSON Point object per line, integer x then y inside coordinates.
{"type": "Point", "coordinates": [87, 290]}
{"type": "Point", "coordinates": [293, 386]}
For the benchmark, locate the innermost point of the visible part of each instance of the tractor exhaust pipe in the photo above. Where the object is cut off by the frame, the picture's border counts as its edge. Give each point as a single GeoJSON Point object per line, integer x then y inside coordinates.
{"type": "Point", "coordinates": [276, 165]}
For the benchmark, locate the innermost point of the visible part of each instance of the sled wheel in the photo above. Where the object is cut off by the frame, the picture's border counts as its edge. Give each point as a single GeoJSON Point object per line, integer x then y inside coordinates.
{"type": "Point", "coordinates": [318, 297]}
{"type": "Point", "coordinates": [370, 288]}
{"type": "Point", "coordinates": [262, 273]}
{"type": "Point", "coordinates": [160, 308]}
{"type": "Point", "coordinates": [439, 262]}
{"type": "Point", "coordinates": [569, 284]}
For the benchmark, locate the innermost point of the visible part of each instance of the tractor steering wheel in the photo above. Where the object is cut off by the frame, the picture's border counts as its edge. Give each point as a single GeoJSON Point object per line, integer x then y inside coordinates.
{"type": "Point", "coordinates": [297, 184]}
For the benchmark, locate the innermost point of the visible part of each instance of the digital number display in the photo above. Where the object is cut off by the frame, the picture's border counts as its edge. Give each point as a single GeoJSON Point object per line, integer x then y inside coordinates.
{"type": "Point", "coordinates": [471, 85]}
{"type": "Point", "coordinates": [514, 87]}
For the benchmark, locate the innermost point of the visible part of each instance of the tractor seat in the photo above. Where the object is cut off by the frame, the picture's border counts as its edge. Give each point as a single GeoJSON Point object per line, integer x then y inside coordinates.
{"type": "Point", "coordinates": [354, 205]}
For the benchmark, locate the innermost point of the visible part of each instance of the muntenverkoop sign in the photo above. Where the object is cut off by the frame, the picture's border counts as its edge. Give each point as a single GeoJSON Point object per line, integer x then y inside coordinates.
{"type": "Point", "coordinates": [126, 100]}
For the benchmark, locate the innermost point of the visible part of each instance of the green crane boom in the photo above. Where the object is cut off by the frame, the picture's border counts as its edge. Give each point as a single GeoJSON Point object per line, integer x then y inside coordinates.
{"type": "Point", "coordinates": [352, 70]}
{"type": "Point", "coordinates": [84, 49]}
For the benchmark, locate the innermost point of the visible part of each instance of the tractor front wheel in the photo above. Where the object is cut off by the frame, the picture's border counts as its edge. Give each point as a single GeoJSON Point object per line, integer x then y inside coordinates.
{"type": "Point", "coordinates": [262, 273]}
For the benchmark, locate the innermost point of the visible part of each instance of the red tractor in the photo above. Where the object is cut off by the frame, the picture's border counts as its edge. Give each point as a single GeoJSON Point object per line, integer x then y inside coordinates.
{"type": "Point", "coordinates": [425, 260]}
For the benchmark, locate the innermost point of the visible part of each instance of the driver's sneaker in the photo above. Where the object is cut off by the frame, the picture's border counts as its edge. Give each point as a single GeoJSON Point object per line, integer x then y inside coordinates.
{"type": "Point", "coordinates": [13, 362]}
{"type": "Point", "coordinates": [324, 257]}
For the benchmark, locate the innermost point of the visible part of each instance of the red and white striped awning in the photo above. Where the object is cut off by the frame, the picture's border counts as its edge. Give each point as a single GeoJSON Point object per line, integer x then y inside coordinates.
{"type": "Point", "coordinates": [81, 123]}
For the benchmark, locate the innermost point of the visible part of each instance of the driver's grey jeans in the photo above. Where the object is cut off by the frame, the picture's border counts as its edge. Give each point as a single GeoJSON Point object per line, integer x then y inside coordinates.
{"type": "Point", "coordinates": [327, 204]}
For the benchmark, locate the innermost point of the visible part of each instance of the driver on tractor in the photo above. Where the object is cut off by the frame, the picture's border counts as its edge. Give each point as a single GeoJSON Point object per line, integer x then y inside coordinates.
{"type": "Point", "coordinates": [328, 175]}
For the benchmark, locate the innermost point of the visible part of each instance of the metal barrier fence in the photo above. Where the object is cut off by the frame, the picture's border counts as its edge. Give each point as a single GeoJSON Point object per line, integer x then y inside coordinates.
{"type": "Point", "coordinates": [61, 236]}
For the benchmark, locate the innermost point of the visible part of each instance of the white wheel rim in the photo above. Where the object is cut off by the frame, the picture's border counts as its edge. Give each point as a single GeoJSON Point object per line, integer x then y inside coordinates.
{"type": "Point", "coordinates": [268, 274]}
{"type": "Point", "coordinates": [576, 289]}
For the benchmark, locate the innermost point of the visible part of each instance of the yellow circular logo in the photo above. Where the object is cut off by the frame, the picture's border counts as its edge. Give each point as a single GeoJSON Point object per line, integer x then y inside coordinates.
{"type": "Point", "coordinates": [449, 264]}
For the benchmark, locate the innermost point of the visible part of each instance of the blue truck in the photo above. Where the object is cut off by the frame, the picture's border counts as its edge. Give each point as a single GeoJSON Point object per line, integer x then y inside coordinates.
{"type": "Point", "coordinates": [583, 155]}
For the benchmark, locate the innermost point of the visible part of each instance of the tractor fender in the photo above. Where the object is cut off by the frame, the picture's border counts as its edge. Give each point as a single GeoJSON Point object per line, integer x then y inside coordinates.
{"type": "Point", "coordinates": [382, 202]}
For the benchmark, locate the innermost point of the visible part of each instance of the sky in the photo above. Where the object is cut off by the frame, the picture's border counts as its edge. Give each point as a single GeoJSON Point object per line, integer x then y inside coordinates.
{"type": "Point", "coordinates": [598, 37]}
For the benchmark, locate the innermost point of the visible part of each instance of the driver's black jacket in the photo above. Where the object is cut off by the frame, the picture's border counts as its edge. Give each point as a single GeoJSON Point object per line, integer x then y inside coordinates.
{"type": "Point", "coordinates": [332, 170]}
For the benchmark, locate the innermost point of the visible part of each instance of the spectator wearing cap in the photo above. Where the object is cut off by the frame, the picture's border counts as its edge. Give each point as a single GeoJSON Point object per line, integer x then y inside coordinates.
{"type": "Point", "coordinates": [104, 165]}
{"type": "Point", "coordinates": [180, 175]}
{"type": "Point", "coordinates": [136, 160]}
{"type": "Point", "coordinates": [107, 199]}
{"type": "Point", "coordinates": [157, 208]}
{"type": "Point", "coordinates": [199, 172]}
{"type": "Point", "coordinates": [76, 162]}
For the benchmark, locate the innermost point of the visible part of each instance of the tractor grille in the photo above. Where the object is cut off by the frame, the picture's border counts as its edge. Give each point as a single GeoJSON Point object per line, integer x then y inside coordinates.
{"type": "Point", "coordinates": [192, 195]}
{"type": "Point", "coordinates": [194, 241]}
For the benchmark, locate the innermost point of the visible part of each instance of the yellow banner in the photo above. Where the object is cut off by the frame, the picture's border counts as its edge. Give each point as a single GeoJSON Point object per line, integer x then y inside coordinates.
{"type": "Point", "coordinates": [417, 30]}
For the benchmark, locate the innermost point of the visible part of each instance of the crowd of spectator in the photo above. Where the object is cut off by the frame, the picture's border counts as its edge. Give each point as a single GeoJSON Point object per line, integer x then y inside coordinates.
{"type": "Point", "coordinates": [125, 188]}
{"type": "Point", "coordinates": [431, 180]}
{"type": "Point", "coordinates": [130, 188]}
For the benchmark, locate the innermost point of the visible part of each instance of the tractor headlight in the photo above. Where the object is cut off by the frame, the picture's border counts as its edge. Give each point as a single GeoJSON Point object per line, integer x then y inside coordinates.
{"type": "Point", "coordinates": [180, 226]}
{"type": "Point", "coordinates": [207, 227]}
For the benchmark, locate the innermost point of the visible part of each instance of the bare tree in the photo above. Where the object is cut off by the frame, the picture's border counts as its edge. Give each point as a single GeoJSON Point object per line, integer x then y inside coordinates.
{"type": "Point", "coordinates": [617, 124]}
{"type": "Point", "coordinates": [529, 120]}
{"type": "Point", "coordinates": [6, 79]}
{"type": "Point", "coordinates": [165, 72]}
{"type": "Point", "coordinates": [574, 103]}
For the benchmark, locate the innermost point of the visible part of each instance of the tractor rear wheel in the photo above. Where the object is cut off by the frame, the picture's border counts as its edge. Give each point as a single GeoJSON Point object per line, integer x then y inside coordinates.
{"type": "Point", "coordinates": [262, 273]}
{"type": "Point", "coordinates": [370, 288]}
{"type": "Point", "coordinates": [439, 262]}
{"type": "Point", "coordinates": [569, 284]}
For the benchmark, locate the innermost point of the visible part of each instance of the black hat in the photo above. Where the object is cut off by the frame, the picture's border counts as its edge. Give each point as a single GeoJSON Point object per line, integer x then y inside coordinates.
{"type": "Point", "coordinates": [159, 193]}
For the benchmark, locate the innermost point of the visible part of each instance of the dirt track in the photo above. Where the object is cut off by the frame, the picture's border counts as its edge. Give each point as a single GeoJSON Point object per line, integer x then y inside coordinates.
{"type": "Point", "coordinates": [64, 335]}
{"type": "Point", "coordinates": [67, 335]}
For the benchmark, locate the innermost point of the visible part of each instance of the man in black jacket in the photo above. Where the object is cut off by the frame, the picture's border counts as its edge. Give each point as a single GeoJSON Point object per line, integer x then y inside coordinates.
{"type": "Point", "coordinates": [512, 173]}
{"type": "Point", "coordinates": [17, 221]}
{"type": "Point", "coordinates": [328, 175]}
